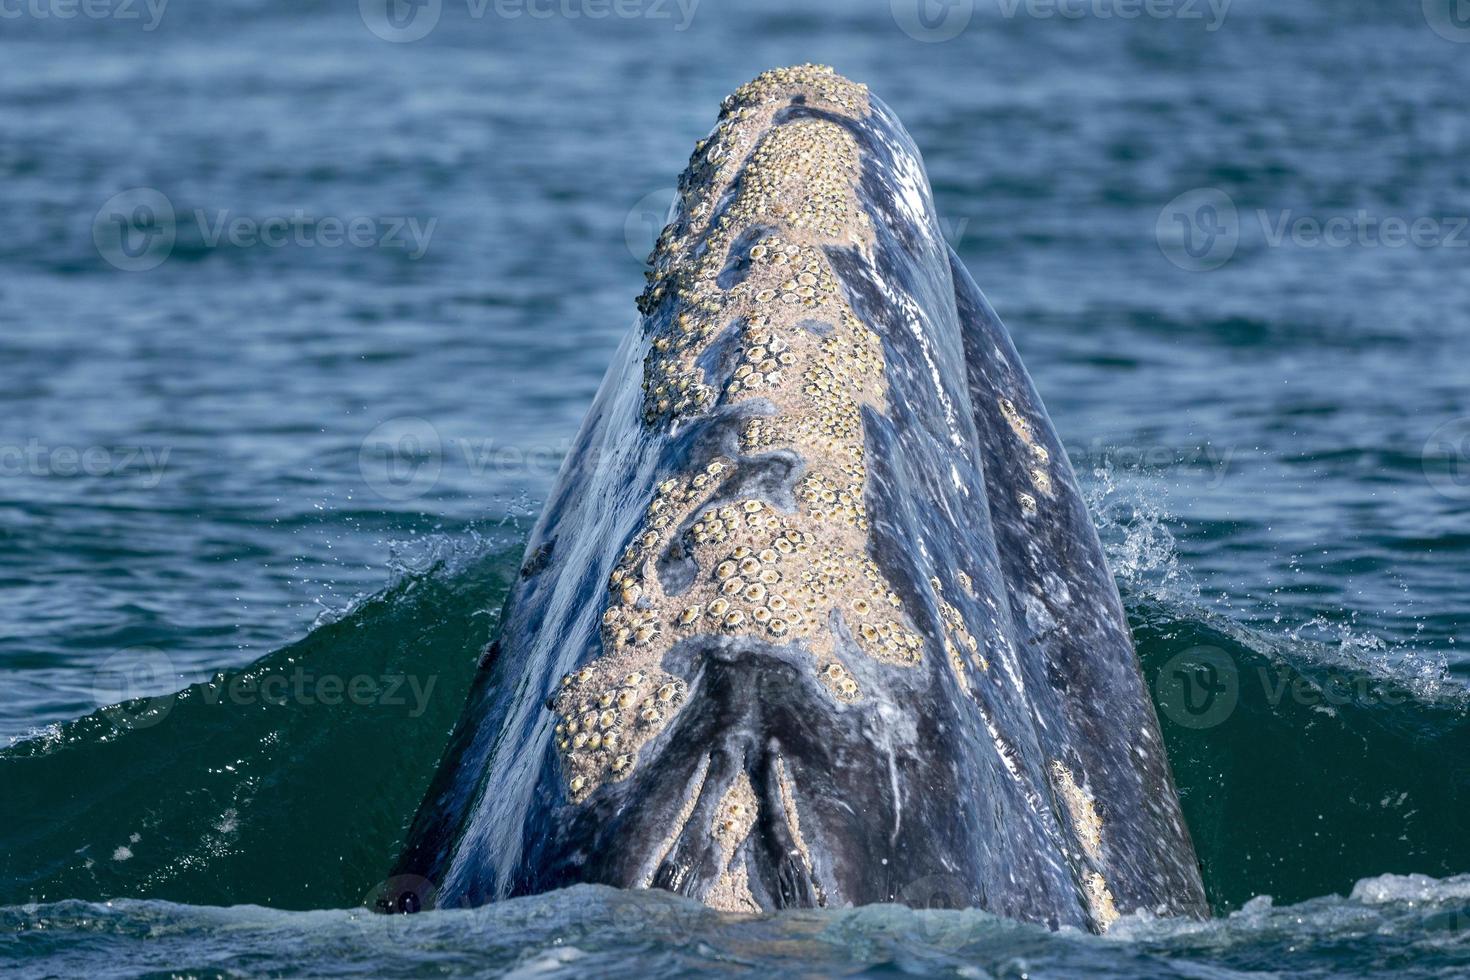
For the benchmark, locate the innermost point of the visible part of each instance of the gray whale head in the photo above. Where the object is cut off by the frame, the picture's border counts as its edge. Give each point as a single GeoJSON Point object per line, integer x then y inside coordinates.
{"type": "Point", "coordinates": [815, 615]}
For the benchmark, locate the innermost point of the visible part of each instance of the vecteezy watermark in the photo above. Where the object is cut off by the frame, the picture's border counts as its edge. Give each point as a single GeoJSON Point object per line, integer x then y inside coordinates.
{"type": "Point", "coordinates": [402, 458]}
{"type": "Point", "coordinates": [138, 687]}
{"type": "Point", "coordinates": [144, 464]}
{"type": "Point", "coordinates": [1450, 19]}
{"type": "Point", "coordinates": [405, 458]}
{"type": "Point", "coordinates": [1202, 687]}
{"type": "Point", "coordinates": [1198, 688]}
{"type": "Point", "coordinates": [135, 230]}
{"type": "Point", "coordinates": [1201, 230]}
{"type": "Point", "coordinates": [138, 229]}
{"type": "Point", "coordinates": [646, 220]}
{"type": "Point", "coordinates": [404, 21]}
{"type": "Point", "coordinates": [1446, 459]}
{"type": "Point", "coordinates": [938, 893]}
{"type": "Point", "coordinates": [134, 688]}
{"type": "Point", "coordinates": [1207, 461]}
{"type": "Point", "coordinates": [932, 21]}
{"type": "Point", "coordinates": [300, 686]}
{"type": "Point", "coordinates": [148, 13]}
{"type": "Point", "coordinates": [1198, 230]}
{"type": "Point", "coordinates": [1211, 13]}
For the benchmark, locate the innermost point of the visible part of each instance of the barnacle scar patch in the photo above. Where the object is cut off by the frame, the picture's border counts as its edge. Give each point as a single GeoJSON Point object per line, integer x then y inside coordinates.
{"type": "Point", "coordinates": [960, 646]}
{"type": "Point", "coordinates": [718, 159]}
{"type": "Point", "coordinates": [966, 583]}
{"type": "Point", "coordinates": [1100, 901]}
{"type": "Point", "coordinates": [745, 266]}
{"type": "Point", "coordinates": [1088, 827]}
{"type": "Point", "coordinates": [1039, 457]}
{"type": "Point", "coordinates": [734, 818]}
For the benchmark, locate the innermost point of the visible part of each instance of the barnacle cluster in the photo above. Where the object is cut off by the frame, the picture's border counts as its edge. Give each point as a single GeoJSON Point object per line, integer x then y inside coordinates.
{"type": "Point", "coordinates": [1087, 828]}
{"type": "Point", "coordinates": [960, 645]}
{"type": "Point", "coordinates": [1039, 468]}
{"type": "Point", "coordinates": [746, 265]}
{"type": "Point", "coordinates": [734, 818]}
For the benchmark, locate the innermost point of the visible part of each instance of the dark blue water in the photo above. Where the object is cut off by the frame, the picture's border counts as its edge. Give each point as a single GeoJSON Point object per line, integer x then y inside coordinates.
{"type": "Point", "coordinates": [296, 322]}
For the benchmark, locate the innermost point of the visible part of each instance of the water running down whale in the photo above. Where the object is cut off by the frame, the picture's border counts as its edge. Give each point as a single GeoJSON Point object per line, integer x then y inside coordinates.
{"type": "Point", "coordinates": [815, 615]}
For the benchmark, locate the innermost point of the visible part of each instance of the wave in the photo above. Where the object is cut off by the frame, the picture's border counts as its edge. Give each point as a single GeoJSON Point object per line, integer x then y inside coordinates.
{"type": "Point", "coordinates": [1302, 766]}
{"type": "Point", "coordinates": [1414, 927]}
{"type": "Point", "coordinates": [1308, 757]}
{"type": "Point", "coordinates": [286, 783]}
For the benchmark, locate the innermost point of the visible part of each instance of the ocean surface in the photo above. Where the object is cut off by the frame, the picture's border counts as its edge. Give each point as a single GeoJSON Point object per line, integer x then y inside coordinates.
{"type": "Point", "coordinates": [301, 304]}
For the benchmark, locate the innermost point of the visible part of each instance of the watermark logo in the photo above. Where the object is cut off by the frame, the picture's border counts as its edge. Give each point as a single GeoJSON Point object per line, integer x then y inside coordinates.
{"type": "Point", "coordinates": [1446, 459]}
{"type": "Point", "coordinates": [405, 21]}
{"type": "Point", "coordinates": [148, 13]}
{"type": "Point", "coordinates": [138, 230]}
{"type": "Point", "coordinates": [138, 687]}
{"type": "Point", "coordinates": [143, 464]}
{"type": "Point", "coordinates": [1202, 687]}
{"type": "Point", "coordinates": [1198, 688]}
{"type": "Point", "coordinates": [401, 21]}
{"type": "Point", "coordinates": [939, 893]}
{"type": "Point", "coordinates": [1211, 13]}
{"type": "Point", "coordinates": [135, 230]}
{"type": "Point", "coordinates": [1450, 19]}
{"type": "Point", "coordinates": [1205, 462]}
{"type": "Point", "coordinates": [307, 688]}
{"type": "Point", "coordinates": [952, 230]}
{"type": "Point", "coordinates": [646, 220]}
{"type": "Point", "coordinates": [1199, 230]}
{"type": "Point", "coordinates": [134, 688]}
{"type": "Point", "coordinates": [932, 21]}
{"type": "Point", "coordinates": [405, 458]}
{"type": "Point", "coordinates": [1362, 229]}
{"type": "Point", "coordinates": [402, 458]}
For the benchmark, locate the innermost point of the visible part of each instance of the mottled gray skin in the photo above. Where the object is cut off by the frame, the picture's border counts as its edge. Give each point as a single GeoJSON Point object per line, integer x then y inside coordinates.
{"type": "Point", "coordinates": [921, 793]}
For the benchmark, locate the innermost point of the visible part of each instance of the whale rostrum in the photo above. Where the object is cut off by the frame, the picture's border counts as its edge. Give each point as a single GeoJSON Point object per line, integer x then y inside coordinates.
{"type": "Point", "coordinates": [815, 614]}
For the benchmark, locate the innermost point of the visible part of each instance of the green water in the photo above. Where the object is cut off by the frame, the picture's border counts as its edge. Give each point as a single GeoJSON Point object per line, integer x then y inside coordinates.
{"type": "Point", "coordinates": [1275, 449]}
